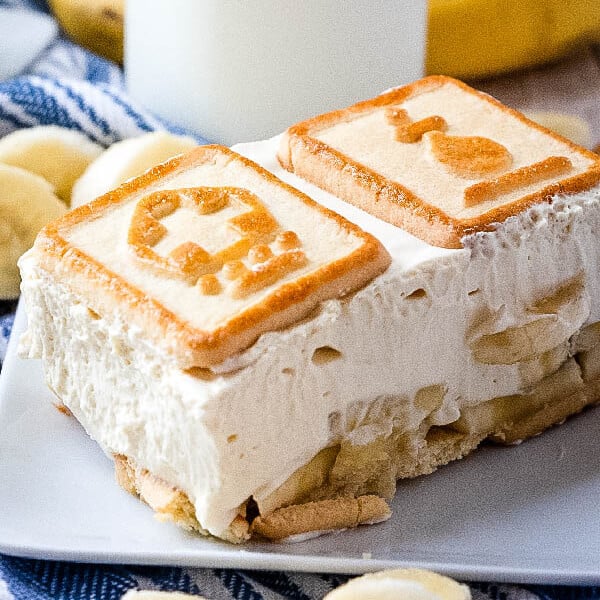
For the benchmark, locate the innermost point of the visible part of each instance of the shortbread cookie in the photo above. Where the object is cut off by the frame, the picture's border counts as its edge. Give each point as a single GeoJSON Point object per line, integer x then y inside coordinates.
{"type": "Point", "coordinates": [321, 516]}
{"type": "Point", "coordinates": [207, 252]}
{"type": "Point", "coordinates": [436, 158]}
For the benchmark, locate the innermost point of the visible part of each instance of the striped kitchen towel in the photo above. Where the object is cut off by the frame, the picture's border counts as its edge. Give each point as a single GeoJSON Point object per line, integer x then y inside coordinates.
{"type": "Point", "coordinates": [6, 322]}
{"type": "Point", "coordinates": [25, 579]}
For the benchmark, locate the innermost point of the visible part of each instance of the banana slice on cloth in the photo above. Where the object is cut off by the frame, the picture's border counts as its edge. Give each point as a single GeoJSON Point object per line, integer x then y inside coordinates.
{"type": "Point", "coordinates": [26, 205]}
{"type": "Point", "coordinates": [125, 160]}
{"type": "Point", "coordinates": [58, 154]}
{"type": "Point", "coordinates": [572, 127]}
{"type": "Point", "coordinates": [152, 595]}
{"type": "Point", "coordinates": [401, 584]}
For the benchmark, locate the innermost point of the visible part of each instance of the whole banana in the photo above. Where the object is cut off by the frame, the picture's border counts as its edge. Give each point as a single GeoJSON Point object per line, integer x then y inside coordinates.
{"type": "Point", "coordinates": [479, 38]}
{"type": "Point", "coordinates": [94, 24]}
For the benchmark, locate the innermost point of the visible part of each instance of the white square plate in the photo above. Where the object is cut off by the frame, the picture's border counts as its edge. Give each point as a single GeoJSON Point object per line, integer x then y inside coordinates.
{"type": "Point", "coordinates": [523, 514]}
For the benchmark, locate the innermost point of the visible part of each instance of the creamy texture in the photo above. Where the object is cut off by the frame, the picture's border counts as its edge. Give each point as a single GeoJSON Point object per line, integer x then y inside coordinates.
{"type": "Point", "coordinates": [270, 409]}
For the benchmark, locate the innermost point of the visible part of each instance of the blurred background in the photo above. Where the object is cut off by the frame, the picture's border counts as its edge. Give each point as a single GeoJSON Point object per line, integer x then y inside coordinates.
{"type": "Point", "coordinates": [535, 55]}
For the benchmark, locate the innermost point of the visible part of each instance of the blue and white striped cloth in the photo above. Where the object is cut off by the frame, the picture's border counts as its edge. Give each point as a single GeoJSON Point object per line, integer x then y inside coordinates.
{"type": "Point", "coordinates": [22, 579]}
{"type": "Point", "coordinates": [71, 87]}
{"type": "Point", "coordinates": [6, 323]}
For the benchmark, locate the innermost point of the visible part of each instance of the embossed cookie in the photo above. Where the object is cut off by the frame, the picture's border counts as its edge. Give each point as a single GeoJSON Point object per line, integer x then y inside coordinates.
{"type": "Point", "coordinates": [436, 158]}
{"type": "Point", "coordinates": [206, 252]}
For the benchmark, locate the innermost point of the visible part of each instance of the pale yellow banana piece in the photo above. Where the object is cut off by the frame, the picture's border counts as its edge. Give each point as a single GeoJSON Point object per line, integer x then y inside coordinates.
{"type": "Point", "coordinates": [154, 595]}
{"type": "Point", "coordinates": [125, 160]}
{"type": "Point", "coordinates": [26, 205]}
{"type": "Point", "coordinates": [572, 127]}
{"type": "Point", "coordinates": [58, 154]}
{"type": "Point", "coordinates": [401, 584]}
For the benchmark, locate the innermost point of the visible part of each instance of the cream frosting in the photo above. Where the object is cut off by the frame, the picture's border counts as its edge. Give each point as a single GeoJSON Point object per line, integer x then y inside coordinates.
{"type": "Point", "coordinates": [268, 410]}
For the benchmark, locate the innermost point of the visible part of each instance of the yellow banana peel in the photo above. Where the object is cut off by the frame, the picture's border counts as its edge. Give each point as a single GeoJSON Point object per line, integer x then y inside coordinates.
{"type": "Point", "coordinates": [479, 38]}
{"type": "Point", "coordinates": [94, 24]}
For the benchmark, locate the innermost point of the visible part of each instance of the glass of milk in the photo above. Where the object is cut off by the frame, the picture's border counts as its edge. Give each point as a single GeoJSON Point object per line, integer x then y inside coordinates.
{"type": "Point", "coordinates": [243, 70]}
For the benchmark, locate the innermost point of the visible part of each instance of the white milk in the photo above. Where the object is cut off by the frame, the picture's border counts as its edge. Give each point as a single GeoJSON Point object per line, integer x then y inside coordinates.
{"type": "Point", "coordinates": [241, 70]}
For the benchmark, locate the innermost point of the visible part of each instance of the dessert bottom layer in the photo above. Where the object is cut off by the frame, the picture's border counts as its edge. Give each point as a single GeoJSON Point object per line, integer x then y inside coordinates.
{"type": "Point", "coordinates": [346, 484]}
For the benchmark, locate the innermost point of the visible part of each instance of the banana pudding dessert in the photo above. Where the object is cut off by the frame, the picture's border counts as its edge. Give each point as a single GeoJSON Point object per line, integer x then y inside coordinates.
{"type": "Point", "coordinates": [266, 351]}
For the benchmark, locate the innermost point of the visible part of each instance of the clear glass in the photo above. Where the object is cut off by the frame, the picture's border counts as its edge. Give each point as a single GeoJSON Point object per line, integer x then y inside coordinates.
{"type": "Point", "coordinates": [242, 70]}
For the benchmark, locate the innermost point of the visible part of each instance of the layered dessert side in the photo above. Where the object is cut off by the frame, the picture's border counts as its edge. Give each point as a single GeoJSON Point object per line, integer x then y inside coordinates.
{"type": "Point", "coordinates": [258, 365]}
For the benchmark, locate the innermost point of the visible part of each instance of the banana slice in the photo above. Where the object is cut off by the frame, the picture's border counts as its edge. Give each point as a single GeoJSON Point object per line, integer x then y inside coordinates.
{"type": "Point", "coordinates": [26, 205]}
{"type": "Point", "coordinates": [125, 160]}
{"type": "Point", "coordinates": [570, 126]}
{"type": "Point", "coordinates": [58, 154]}
{"type": "Point", "coordinates": [153, 595]}
{"type": "Point", "coordinates": [401, 584]}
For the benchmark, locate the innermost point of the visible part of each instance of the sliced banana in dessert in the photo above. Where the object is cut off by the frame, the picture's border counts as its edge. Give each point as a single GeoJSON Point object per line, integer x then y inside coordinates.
{"type": "Point", "coordinates": [27, 203]}
{"type": "Point", "coordinates": [125, 160]}
{"type": "Point", "coordinates": [58, 154]}
{"type": "Point", "coordinates": [401, 584]}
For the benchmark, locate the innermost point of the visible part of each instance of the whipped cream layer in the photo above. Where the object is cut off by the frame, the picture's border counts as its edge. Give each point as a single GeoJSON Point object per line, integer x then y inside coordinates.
{"type": "Point", "coordinates": [243, 429]}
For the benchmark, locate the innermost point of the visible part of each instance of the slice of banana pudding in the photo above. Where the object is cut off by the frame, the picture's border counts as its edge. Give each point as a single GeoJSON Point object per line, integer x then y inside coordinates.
{"type": "Point", "coordinates": [259, 365]}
